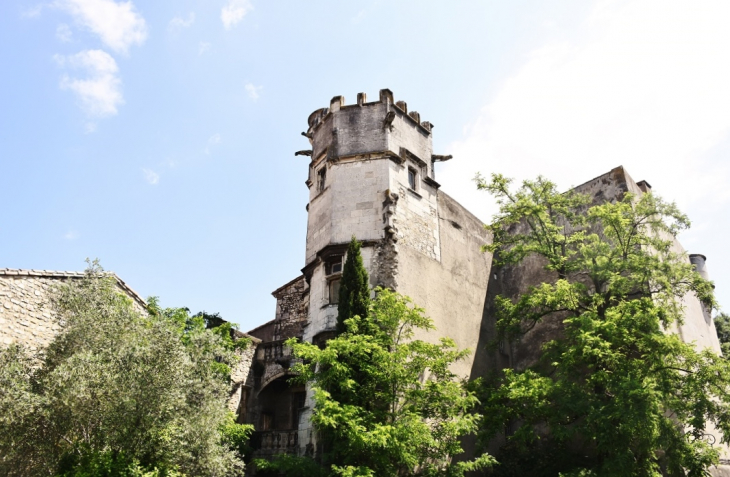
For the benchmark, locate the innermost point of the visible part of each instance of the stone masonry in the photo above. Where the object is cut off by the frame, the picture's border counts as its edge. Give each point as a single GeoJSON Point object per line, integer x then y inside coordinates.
{"type": "Point", "coordinates": [26, 318]}
{"type": "Point", "coordinates": [25, 314]}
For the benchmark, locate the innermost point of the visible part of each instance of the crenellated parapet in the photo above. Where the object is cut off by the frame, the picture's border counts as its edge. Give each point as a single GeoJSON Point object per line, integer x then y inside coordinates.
{"type": "Point", "coordinates": [370, 129]}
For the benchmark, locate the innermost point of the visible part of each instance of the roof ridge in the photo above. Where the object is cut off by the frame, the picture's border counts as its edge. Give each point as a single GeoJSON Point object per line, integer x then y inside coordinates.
{"type": "Point", "coordinates": [39, 273]}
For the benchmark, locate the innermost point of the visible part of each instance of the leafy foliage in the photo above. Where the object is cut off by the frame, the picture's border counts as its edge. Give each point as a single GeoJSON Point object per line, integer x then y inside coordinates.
{"type": "Point", "coordinates": [389, 402]}
{"type": "Point", "coordinates": [290, 466]}
{"type": "Point", "coordinates": [618, 393]}
{"type": "Point", "coordinates": [722, 326]}
{"type": "Point", "coordinates": [118, 390]}
{"type": "Point", "coordinates": [354, 296]}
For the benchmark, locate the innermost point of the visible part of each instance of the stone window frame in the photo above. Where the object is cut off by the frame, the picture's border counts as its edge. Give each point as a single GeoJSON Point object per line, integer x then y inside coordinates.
{"type": "Point", "coordinates": [413, 178]}
{"type": "Point", "coordinates": [322, 178]}
{"type": "Point", "coordinates": [333, 266]}
{"type": "Point", "coordinates": [333, 290]}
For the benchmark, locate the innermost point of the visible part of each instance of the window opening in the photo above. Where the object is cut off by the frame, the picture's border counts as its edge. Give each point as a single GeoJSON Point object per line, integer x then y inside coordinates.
{"type": "Point", "coordinates": [412, 178]}
{"type": "Point", "coordinates": [321, 178]}
{"type": "Point", "coordinates": [334, 265]}
{"type": "Point", "coordinates": [334, 286]}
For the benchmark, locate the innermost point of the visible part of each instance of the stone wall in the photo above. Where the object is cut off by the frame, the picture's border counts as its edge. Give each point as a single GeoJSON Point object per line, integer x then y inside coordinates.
{"type": "Point", "coordinates": [292, 305]}
{"type": "Point", "coordinates": [25, 313]}
{"type": "Point", "coordinates": [241, 377]}
{"type": "Point", "coordinates": [26, 318]}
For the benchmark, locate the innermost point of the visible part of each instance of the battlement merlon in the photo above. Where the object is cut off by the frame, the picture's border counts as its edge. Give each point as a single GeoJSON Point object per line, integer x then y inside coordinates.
{"type": "Point", "coordinates": [384, 127]}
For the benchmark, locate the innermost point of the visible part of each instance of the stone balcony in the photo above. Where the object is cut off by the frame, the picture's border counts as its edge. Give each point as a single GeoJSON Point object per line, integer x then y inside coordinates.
{"type": "Point", "coordinates": [268, 443]}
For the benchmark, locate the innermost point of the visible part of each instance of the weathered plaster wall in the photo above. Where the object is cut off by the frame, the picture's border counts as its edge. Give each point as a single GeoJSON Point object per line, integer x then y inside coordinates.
{"type": "Point", "coordinates": [350, 204]}
{"type": "Point", "coordinates": [323, 314]}
{"type": "Point", "coordinates": [453, 289]}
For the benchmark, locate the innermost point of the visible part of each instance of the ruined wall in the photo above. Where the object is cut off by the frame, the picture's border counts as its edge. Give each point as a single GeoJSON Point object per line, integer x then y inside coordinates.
{"type": "Point", "coordinates": [242, 380]}
{"type": "Point", "coordinates": [292, 307]}
{"type": "Point", "coordinates": [25, 314]}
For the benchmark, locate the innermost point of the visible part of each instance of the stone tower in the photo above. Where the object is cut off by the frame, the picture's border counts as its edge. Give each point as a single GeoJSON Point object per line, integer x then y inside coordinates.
{"type": "Point", "coordinates": [371, 175]}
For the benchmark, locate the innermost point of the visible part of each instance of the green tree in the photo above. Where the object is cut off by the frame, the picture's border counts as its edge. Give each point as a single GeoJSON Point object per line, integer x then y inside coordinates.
{"type": "Point", "coordinates": [354, 290]}
{"type": "Point", "coordinates": [399, 410]}
{"type": "Point", "coordinates": [617, 392]}
{"type": "Point", "coordinates": [722, 325]}
{"type": "Point", "coordinates": [118, 392]}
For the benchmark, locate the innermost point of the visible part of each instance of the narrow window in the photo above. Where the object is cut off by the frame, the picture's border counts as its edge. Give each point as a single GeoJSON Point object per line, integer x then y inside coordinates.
{"type": "Point", "coordinates": [321, 178]}
{"type": "Point", "coordinates": [334, 286]}
{"type": "Point", "coordinates": [412, 178]}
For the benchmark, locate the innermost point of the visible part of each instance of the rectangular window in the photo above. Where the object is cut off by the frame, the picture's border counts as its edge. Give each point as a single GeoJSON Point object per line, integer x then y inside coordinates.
{"type": "Point", "coordinates": [334, 289]}
{"type": "Point", "coordinates": [321, 178]}
{"type": "Point", "coordinates": [412, 175]}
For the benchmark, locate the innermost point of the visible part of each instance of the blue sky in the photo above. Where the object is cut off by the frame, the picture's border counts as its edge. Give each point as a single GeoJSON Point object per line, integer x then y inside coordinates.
{"type": "Point", "coordinates": [160, 136]}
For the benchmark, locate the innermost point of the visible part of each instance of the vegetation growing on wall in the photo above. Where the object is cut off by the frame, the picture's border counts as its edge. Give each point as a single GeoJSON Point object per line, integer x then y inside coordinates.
{"type": "Point", "coordinates": [722, 326]}
{"type": "Point", "coordinates": [354, 289]}
{"type": "Point", "coordinates": [615, 393]}
{"type": "Point", "coordinates": [119, 393]}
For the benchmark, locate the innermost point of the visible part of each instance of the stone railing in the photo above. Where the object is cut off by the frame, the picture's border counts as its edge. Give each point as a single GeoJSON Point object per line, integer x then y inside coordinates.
{"type": "Point", "coordinates": [272, 350]}
{"type": "Point", "coordinates": [276, 442]}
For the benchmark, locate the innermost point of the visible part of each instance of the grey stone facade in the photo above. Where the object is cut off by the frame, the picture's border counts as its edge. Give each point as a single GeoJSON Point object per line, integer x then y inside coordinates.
{"type": "Point", "coordinates": [371, 175]}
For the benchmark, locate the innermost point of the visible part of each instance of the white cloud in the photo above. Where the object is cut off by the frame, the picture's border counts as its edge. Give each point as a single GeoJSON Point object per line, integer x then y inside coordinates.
{"type": "Point", "coordinates": [33, 11]}
{"type": "Point", "coordinates": [178, 23]}
{"type": "Point", "coordinates": [203, 47]}
{"type": "Point", "coordinates": [117, 23]}
{"type": "Point", "coordinates": [253, 91]}
{"type": "Point", "coordinates": [151, 176]}
{"type": "Point", "coordinates": [100, 92]}
{"type": "Point", "coordinates": [64, 33]}
{"type": "Point", "coordinates": [644, 86]}
{"type": "Point", "coordinates": [71, 235]}
{"type": "Point", "coordinates": [234, 11]}
{"type": "Point", "coordinates": [214, 140]}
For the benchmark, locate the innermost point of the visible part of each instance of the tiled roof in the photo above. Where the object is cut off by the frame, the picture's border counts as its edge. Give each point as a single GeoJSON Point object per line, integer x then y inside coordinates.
{"type": "Point", "coordinates": [60, 274]}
